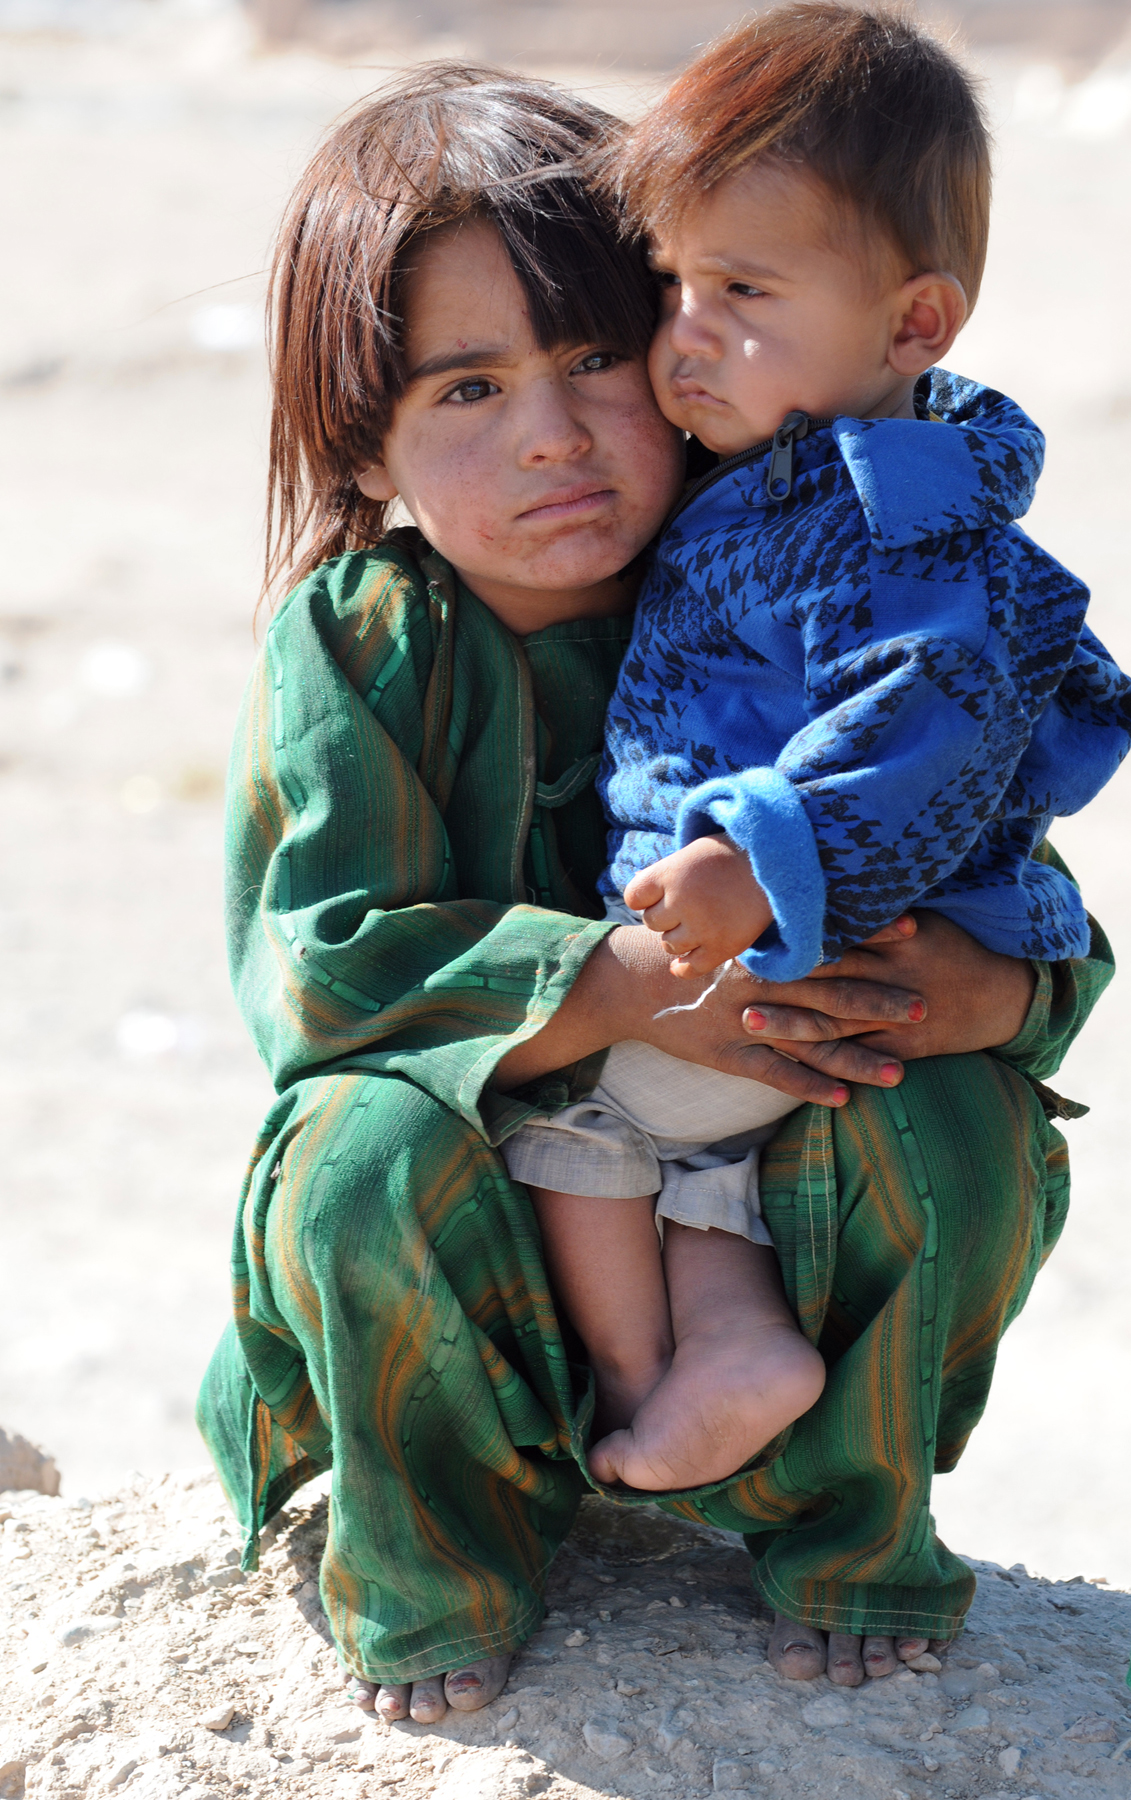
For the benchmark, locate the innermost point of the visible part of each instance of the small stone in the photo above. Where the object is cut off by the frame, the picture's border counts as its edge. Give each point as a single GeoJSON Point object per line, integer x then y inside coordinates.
{"type": "Point", "coordinates": [219, 1719]}
{"type": "Point", "coordinates": [121, 1771]}
{"type": "Point", "coordinates": [81, 1629]}
{"type": "Point", "coordinates": [508, 1721]}
{"type": "Point", "coordinates": [249, 1647]}
{"type": "Point", "coordinates": [575, 1640]}
{"type": "Point", "coordinates": [830, 1709]}
{"type": "Point", "coordinates": [227, 1576]}
{"type": "Point", "coordinates": [930, 1764]}
{"type": "Point", "coordinates": [606, 1739]}
{"type": "Point", "coordinates": [630, 1688]}
{"type": "Point", "coordinates": [1092, 1730]}
{"type": "Point", "coordinates": [975, 1718]}
{"type": "Point", "coordinates": [1009, 1760]}
{"type": "Point", "coordinates": [674, 1600]}
{"type": "Point", "coordinates": [729, 1776]}
{"type": "Point", "coordinates": [925, 1664]}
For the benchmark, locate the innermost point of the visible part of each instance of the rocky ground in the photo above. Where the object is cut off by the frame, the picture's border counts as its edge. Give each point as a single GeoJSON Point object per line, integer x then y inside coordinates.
{"type": "Point", "coordinates": [137, 1660]}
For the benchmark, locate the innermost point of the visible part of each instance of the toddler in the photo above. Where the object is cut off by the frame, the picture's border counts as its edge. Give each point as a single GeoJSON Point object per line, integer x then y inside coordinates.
{"type": "Point", "coordinates": [854, 685]}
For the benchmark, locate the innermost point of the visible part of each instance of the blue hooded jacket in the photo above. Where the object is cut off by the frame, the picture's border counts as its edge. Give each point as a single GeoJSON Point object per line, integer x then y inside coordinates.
{"type": "Point", "coordinates": [878, 685]}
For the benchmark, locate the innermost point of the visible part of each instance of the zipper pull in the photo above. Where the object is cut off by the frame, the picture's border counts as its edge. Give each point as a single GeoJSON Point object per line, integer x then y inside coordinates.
{"type": "Point", "coordinates": [779, 481]}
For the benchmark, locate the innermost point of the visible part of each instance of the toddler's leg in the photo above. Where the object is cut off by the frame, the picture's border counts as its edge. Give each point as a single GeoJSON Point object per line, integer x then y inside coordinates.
{"type": "Point", "coordinates": [741, 1372]}
{"type": "Point", "coordinates": [603, 1258]}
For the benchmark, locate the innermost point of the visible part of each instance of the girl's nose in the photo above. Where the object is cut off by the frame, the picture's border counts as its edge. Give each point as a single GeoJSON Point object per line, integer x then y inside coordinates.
{"type": "Point", "coordinates": [551, 429]}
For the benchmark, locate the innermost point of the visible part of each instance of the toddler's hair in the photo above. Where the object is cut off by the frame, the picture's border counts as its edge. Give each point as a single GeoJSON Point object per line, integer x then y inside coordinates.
{"type": "Point", "coordinates": [861, 99]}
{"type": "Point", "coordinates": [445, 142]}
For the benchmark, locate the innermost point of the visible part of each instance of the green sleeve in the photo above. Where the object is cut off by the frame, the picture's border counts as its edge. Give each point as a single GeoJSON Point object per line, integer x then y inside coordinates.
{"type": "Point", "coordinates": [350, 942]}
{"type": "Point", "coordinates": [1065, 995]}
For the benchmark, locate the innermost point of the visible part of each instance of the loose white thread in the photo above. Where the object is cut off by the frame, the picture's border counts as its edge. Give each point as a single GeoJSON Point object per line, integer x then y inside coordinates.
{"type": "Point", "coordinates": [694, 1005]}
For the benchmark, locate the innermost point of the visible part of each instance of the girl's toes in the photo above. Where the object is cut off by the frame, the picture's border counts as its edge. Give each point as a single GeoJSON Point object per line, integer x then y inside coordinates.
{"type": "Point", "coordinates": [845, 1667]}
{"type": "Point", "coordinates": [391, 1702]}
{"type": "Point", "coordinates": [427, 1703]}
{"type": "Point", "coordinates": [797, 1652]}
{"type": "Point", "coordinates": [478, 1684]}
{"type": "Point", "coordinates": [362, 1693]}
{"type": "Point", "coordinates": [908, 1648]}
{"type": "Point", "coordinates": [879, 1657]}
{"type": "Point", "coordinates": [939, 1646]}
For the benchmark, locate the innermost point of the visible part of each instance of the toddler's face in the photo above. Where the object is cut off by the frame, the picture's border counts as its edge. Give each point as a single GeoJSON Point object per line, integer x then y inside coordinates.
{"type": "Point", "coordinates": [768, 310]}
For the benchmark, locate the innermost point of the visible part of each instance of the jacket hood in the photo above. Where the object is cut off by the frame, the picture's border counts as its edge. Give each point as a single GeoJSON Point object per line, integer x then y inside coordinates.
{"type": "Point", "coordinates": [916, 482]}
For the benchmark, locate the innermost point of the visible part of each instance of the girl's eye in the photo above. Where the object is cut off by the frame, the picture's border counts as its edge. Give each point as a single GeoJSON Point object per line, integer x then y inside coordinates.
{"type": "Point", "coordinates": [665, 278]}
{"type": "Point", "coordinates": [476, 387]}
{"type": "Point", "coordinates": [595, 362]}
{"type": "Point", "coordinates": [745, 292]}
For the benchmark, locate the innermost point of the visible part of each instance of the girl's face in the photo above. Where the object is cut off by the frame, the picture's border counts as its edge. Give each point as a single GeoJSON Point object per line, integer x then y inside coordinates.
{"type": "Point", "coordinates": [539, 474]}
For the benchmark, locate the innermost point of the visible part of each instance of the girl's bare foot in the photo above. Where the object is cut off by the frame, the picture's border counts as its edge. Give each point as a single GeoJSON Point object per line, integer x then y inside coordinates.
{"type": "Point", "coordinates": [478, 1684]}
{"type": "Point", "coordinates": [428, 1699]}
{"type": "Point", "coordinates": [845, 1667]}
{"type": "Point", "coordinates": [799, 1653]}
{"type": "Point", "coordinates": [732, 1386]}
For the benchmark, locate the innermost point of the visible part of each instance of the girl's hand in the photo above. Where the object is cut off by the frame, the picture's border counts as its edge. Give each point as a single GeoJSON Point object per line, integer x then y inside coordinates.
{"type": "Point", "coordinates": [814, 1052]}
{"type": "Point", "coordinates": [976, 998]}
{"type": "Point", "coordinates": [705, 903]}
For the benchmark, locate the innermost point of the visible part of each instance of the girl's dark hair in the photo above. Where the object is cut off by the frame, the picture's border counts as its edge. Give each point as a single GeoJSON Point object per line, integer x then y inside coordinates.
{"type": "Point", "coordinates": [444, 142]}
{"type": "Point", "coordinates": [860, 97]}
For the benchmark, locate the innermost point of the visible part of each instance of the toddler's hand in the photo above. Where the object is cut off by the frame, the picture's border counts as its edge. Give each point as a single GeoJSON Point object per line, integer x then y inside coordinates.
{"type": "Point", "coordinates": [704, 901]}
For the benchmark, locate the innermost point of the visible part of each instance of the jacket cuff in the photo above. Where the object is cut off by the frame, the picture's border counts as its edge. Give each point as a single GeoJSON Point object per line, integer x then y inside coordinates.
{"type": "Point", "coordinates": [760, 809]}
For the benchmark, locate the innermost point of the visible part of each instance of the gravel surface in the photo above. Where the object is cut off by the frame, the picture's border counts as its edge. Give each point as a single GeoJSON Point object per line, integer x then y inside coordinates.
{"type": "Point", "coordinates": [139, 1661]}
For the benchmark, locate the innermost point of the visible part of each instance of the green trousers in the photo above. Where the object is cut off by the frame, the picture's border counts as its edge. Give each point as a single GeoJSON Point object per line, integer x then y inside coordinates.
{"type": "Point", "coordinates": [394, 1321]}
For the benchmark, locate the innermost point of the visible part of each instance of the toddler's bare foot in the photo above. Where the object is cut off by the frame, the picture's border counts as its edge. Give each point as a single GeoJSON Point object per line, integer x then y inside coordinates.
{"type": "Point", "coordinates": [732, 1386]}
{"type": "Point", "coordinates": [622, 1389]}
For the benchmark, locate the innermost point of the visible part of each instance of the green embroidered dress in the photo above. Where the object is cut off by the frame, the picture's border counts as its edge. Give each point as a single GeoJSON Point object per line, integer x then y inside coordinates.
{"type": "Point", "coordinates": [413, 843]}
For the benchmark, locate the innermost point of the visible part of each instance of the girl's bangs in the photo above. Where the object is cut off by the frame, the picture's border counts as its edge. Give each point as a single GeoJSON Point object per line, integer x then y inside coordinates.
{"type": "Point", "coordinates": [583, 283]}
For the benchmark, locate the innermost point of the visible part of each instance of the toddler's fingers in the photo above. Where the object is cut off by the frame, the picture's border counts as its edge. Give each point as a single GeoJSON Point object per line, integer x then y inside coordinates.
{"type": "Point", "coordinates": [679, 941]}
{"type": "Point", "coordinates": [694, 962]}
{"type": "Point", "coordinates": [643, 890]}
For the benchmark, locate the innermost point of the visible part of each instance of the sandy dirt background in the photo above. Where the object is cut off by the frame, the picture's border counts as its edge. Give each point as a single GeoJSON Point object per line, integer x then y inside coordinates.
{"type": "Point", "coordinates": [146, 159]}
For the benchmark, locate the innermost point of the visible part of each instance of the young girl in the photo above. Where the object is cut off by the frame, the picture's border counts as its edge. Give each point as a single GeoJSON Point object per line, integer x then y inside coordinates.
{"type": "Point", "coordinates": [413, 848]}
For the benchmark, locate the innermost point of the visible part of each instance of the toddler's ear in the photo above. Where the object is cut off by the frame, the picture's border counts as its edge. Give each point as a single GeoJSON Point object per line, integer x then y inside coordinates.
{"type": "Point", "coordinates": [930, 311]}
{"type": "Point", "coordinates": [375, 482]}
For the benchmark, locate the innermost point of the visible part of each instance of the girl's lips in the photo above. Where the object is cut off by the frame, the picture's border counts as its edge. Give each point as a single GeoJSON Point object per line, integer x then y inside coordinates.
{"type": "Point", "coordinates": [569, 503]}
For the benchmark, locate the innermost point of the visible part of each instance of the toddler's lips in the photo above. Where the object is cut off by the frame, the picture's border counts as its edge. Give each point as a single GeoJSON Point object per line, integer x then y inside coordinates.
{"type": "Point", "coordinates": [693, 394]}
{"type": "Point", "coordinates": [570, 503]}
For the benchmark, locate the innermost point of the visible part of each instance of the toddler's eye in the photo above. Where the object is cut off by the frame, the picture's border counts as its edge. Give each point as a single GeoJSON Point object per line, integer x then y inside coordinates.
{"type": "Point", "coordinates": [595, 362]}
{"type": "Point", "coordinates": [476, 387]}
{"type": "Point", "coordinates": [665, 278]}
{"type": "Point", "coordinates": [746, 291]}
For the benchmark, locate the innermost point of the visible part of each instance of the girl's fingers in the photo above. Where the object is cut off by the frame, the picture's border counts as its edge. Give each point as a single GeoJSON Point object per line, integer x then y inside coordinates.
{"type": "Point", "coordinates": [763, 1063]}
{"type": "Point", "coordinates": [847, 1059]}
{"type": "Point", "coordinates": [800, 1024]}
{"type": "Point", "coordinates": [855, 1004]}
